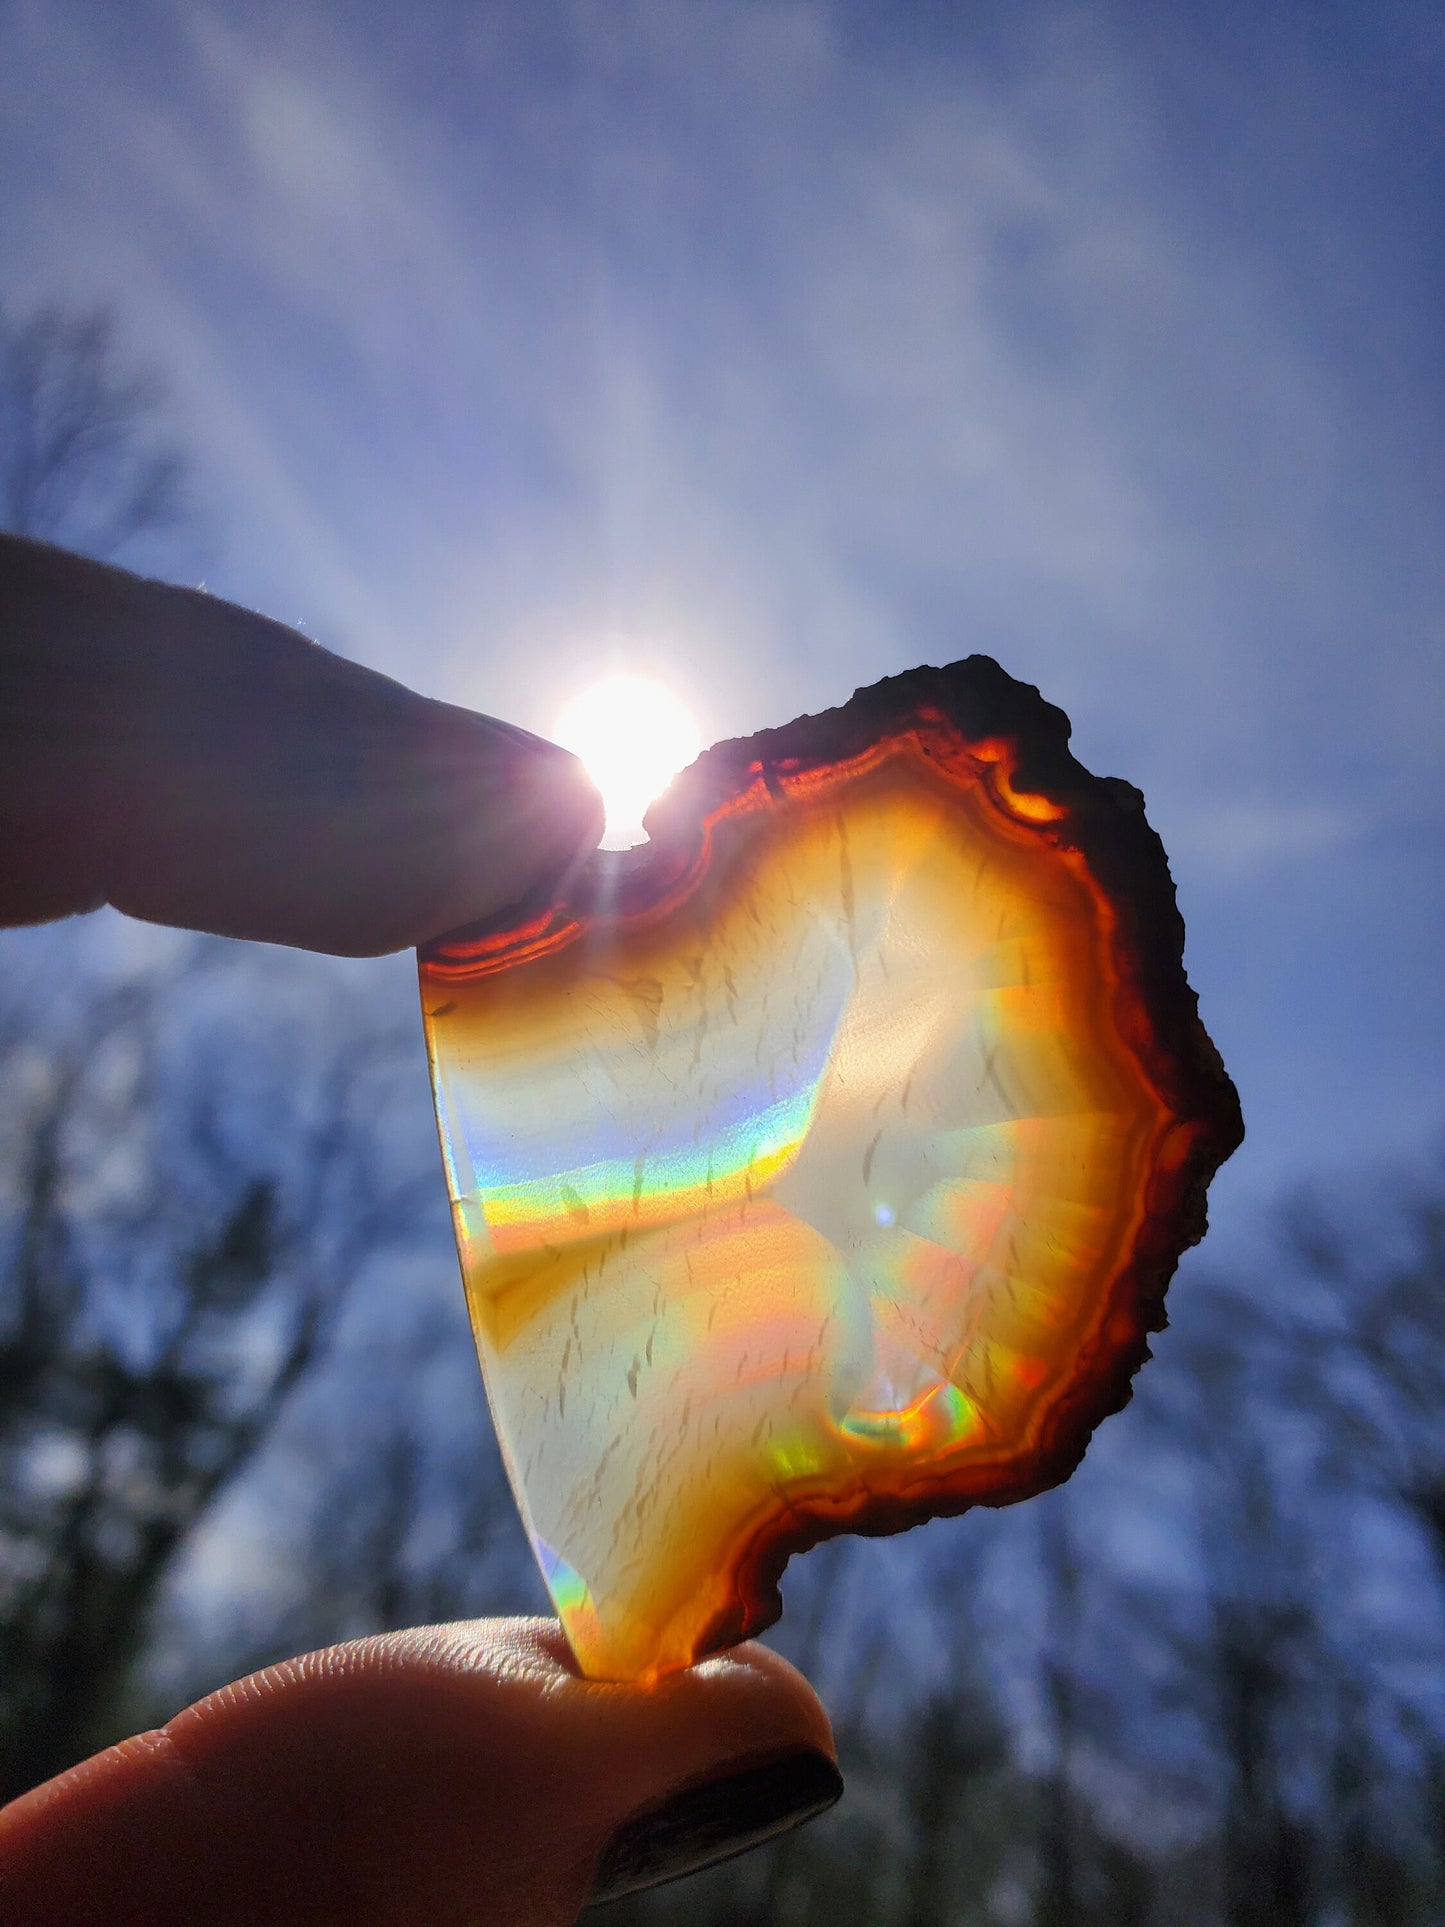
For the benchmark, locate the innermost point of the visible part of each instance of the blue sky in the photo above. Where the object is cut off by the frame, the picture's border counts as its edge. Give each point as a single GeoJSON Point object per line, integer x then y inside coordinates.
{"type": "Point", "coordinates": [777, 347]}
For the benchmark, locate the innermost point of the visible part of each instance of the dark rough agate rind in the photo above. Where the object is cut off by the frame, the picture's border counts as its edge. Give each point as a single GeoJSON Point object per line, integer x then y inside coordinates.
{"type": "Point", "coordinates": [969, 749]}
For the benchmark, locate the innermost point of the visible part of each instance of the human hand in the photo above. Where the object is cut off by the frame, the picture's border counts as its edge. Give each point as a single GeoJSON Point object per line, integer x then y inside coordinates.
{"type": "Point", "coordinates": [452, 1774]}
{"type": "Point", "coordinates": [194, 764]}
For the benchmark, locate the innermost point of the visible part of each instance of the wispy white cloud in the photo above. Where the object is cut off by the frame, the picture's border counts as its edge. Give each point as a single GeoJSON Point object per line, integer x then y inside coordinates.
{"type": "Point", "coordinates": [801, 350]}
{"type": "Point", "coordinates": [520, 337]}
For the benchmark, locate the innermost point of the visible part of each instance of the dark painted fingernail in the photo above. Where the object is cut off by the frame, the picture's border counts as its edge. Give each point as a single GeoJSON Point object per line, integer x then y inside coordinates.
{"type": "Point", "coordinates": [706, 1824]}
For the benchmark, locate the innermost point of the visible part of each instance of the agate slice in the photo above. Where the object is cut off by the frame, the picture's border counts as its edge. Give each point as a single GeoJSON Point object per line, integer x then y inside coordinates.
{"type": "Point", "coordinates": [819, 1166]}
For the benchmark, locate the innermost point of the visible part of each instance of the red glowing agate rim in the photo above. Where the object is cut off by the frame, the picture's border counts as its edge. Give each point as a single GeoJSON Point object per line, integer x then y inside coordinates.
{"type": "Point", "coordinates": [995, 750]}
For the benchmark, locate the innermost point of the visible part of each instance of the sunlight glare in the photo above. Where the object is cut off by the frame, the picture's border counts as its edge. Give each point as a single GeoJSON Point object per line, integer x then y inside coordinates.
{"type": "Point", "coordinates": [633, 734]}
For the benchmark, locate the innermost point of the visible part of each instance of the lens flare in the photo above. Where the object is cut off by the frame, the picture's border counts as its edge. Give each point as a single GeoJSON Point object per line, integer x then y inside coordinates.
{"type": "Point", "coordinates": [633, 735]}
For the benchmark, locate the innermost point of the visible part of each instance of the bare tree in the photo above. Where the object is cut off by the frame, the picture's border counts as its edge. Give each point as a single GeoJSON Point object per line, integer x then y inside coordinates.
{"type": "Point", "coordinates": [1057, 1898]}
{"type": "Point", "coordinates": [182, 1209]}
{"type": "Point", "coordinates": [411, 1521]}
{"type": "Point", "coordinates": [1381, 1360]}
{"type": "Point", "coordinates": [1253, 1652]}
{"type": "Point", "coordinates": [1259, 1645]}
{"type": "Point", "coordinates": [87, 456]}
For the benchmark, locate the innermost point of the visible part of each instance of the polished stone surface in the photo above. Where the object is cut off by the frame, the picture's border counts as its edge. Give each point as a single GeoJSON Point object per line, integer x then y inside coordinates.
{"type": "Point", "coordinates": [821, 1165]}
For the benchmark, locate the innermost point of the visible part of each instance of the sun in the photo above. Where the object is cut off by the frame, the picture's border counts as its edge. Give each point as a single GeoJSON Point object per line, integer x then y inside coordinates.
{"type": "Point", "coordinates": [633, 735]}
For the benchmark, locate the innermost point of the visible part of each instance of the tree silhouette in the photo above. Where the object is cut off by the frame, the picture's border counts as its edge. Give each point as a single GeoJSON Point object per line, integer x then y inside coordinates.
{"type": "Point", "coordinates": [186, 1208]}
{"type": "Point", "coordinates": [87, 456]}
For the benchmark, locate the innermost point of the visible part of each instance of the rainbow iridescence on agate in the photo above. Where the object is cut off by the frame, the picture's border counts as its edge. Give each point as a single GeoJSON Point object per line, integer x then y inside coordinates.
{"type": "Point", "coordinates": [820, 1165]}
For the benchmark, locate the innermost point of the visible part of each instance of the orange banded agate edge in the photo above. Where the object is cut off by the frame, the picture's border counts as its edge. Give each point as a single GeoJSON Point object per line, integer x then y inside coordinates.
{"type": "Point", "coordinates": [820, 1166]}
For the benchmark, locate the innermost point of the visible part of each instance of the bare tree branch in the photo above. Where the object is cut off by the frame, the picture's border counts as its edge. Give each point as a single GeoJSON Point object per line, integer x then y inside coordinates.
{"type": "Point", "coordinates": [87, 456]}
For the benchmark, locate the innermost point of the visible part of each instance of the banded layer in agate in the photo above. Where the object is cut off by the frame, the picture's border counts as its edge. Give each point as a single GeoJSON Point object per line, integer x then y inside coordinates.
{"type": "Point", "coordinates": [820, 1165]}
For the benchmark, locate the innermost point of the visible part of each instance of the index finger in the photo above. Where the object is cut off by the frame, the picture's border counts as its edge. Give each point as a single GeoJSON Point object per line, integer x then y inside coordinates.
{"type": "Point", "coordinates": [196, 764]}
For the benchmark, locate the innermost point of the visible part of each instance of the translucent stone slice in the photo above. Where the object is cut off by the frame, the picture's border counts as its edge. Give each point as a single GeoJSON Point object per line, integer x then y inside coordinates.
{"type": "Point", "coordinates": [820, 1166]}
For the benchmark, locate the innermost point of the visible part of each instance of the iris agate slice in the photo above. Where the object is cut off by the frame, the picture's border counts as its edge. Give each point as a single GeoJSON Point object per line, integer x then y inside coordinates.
{"type": "Point", "coordinates": [819, 1166]}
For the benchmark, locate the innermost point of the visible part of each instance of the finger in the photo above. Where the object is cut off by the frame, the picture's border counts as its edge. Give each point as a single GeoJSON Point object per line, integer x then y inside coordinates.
{"type": "Point", "coordinates": [195, 764]}
{"type": "Point", "coordinates": [456, 1774]}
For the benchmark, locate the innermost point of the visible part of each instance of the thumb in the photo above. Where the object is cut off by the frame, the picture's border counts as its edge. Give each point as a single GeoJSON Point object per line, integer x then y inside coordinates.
{"type": "Point", "coordinates": [454, 1774]}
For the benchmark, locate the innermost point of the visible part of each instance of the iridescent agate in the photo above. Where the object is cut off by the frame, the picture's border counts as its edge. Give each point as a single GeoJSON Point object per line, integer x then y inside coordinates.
{"type": "Point", "coordinates": [820, 1165]}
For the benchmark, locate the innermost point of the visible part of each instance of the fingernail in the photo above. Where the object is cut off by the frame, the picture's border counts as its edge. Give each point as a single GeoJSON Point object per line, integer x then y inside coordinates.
{"type": "Point", "coordinates": [704, 1825]}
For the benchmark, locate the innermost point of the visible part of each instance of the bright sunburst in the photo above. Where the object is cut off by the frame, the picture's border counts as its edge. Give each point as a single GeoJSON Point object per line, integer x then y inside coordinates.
{"type": "Point", "coordinates": [633, 734]}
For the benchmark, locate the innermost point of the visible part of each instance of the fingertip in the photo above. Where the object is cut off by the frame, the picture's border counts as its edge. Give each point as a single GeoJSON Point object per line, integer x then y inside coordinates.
{"type": "Point", "coordinates": [512, 816]}
{"type": "Point", "coordinates": [767, 1689]}
{"type": "Point", "coordinates": [560, 817]}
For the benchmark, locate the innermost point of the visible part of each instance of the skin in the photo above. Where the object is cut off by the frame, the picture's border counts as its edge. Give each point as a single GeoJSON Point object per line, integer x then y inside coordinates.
{"type": "Point", "coordinates": [195, 764]}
